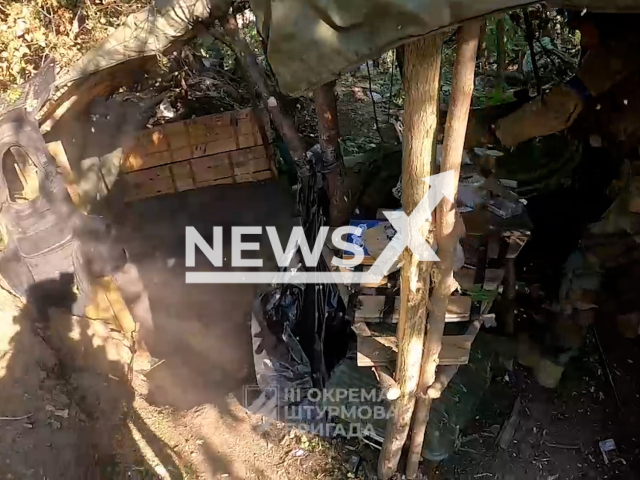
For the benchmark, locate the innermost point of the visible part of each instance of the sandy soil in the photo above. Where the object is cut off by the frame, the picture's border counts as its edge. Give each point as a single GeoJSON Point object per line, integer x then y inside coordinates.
{"type": "Point", "coordinates": [184, 418]}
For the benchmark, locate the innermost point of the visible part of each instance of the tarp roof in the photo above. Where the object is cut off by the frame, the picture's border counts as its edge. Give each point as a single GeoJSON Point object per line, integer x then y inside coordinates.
{"type": "Point", "coordinates": [310, 42]}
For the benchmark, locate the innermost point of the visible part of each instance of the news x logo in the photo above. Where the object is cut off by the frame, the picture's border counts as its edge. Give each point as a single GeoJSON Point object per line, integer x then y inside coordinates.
{"type": "Point", "coordinates": [407, 235]}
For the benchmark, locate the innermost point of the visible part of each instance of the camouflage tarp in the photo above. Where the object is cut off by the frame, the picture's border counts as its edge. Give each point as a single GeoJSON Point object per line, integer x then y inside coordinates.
{"type": "Point", "coordinates": [311, 42]}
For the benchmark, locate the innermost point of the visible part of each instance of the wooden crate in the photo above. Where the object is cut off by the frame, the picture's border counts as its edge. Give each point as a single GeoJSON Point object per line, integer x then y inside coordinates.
{"type": "Point", "coordinates": [238, 166]}
{"type": "Point", "coordinates": [198, 137]}
{"type": "Point", "coordinates": [212, 150]}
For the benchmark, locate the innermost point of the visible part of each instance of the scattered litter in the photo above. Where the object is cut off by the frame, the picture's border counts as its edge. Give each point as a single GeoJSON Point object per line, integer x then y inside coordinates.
{"type": "Point", "coordinates": [54, 424]}
{"type": "Point", "coordinates": [464, 209]}
{"type": "Point", "coordinates": [60, 413]}
{"type": "Point", "coordinates": [488, 152]}
{"type": "Point", "coordinates": [298, 453]}
{"type": "Point", "coordinates": [354, 463]}
{"type": "Point", "coordinates": [508, 183]}
{"type": "Point", "coordinates": [509, 429]}
{"type": "Point", "coordinates": [376, 97]}
{"type": "Point", "coordinates": [27, 425]}
{"type": "Point", "coordinates": [504, 208]}
{"type": "Point", "coordinates": [171, 262]}
{"type": "Point", "coordinates": [609, 450]}
{"type": "Point", "coordinates": [165, 110]}
{"type": "Point", "coordinates": [489, 320]}
{"type": "Point", "coordinates": [567, 447]}
{"type": "Point", "coordinates": [16, 418]}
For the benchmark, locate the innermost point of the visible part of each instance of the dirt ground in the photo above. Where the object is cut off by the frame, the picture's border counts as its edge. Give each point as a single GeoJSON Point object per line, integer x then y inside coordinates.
{"type": "Point", "coordinates": [183, 419]}
{"type": "Point", "coordinates": [558, 430]}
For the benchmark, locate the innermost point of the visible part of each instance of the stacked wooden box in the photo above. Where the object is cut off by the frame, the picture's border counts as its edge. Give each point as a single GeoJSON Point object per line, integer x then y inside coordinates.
{"type": "Point", "coordinates": [375, 310]}
{"type": "Point", "coordinates": [211, 150]}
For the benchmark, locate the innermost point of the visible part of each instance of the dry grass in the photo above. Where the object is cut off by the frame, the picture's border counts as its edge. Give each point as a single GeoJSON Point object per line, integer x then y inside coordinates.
{"type": "Point", "coordinates": [32, 30]}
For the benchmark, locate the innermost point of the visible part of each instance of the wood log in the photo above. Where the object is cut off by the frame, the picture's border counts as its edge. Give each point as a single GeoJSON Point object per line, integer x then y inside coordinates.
{"type": "Point", "coordinates": [329, 136]}
{"type": "Point", "coordinates": [447, 228]}
{"type": "Point", "coordinates": [256, 75]}
{"type": "Point", "coordinates": [421, 79]}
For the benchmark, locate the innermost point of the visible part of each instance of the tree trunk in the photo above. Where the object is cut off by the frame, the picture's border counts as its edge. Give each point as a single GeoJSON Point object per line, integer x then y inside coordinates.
{"type": "Point", "coordinates": [255, 74]}
{"type": "Point", "coordinates": [448, 230]}
{"type": "Point", "coordinates": [329, 133]}
{"type": "Point", "coordinates": [421, 79]}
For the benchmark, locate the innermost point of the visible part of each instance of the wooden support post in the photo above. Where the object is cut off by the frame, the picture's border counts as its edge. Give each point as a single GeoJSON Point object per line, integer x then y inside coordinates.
{"type": "Point", "coordinates": [448, 230]}
{"type": "Point", "coordinates": [256, 75]}
{"type": "Point", "coordinates": [421, 79]}
{"type": "Point", "coordinates": [329, 134]}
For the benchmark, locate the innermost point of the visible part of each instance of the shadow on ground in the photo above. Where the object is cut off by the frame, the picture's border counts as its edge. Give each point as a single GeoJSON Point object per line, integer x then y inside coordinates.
{"type": "Point", "coordinates": [66, 403]}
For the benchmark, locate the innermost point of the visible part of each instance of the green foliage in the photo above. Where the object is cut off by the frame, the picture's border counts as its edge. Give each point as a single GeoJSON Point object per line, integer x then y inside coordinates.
{"type": "Point", "coordinates": [499, 95]}
{"type": "Point", "coordinates": [352, 145]}
{"type": "Point", "coordinates": [32, 30]}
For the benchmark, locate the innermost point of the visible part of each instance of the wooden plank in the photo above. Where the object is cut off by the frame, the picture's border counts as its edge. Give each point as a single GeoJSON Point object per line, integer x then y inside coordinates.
{"type": "Point", "coordinates": [177, 134]}
{"type": "Point", "coordinates": [249, 160]}
{"type": "Point", "coordinates": [211, 168]}
{"type": "Point", "coordinates": [211, 128]}
{"type": "Point", "coordinates": [219, 181]}
{"type": "Point", "coordinates": [458, 309]}
{"type": "Point", "coordinates": [182, 176]}
{"type": "Point", "coordinates": [154, 140]}
{"type": "Point", "coordinates": [254, 177]}
{"type": "Point", "coordinates": [383, 281]}
{"type": "Point", "coordinates": [221, 145]}
{"type": "Point", "coordinates": [382, 351]}
{"type": "Point", "coordinates": [56, 149]}
{"type": "Point", "coordinates": [148, 183]}
{"type": "Point", "coordinates": [371, 308]}
{"type": "Point", "coordinates": [198, 137]}
{"type": "Point", "coordinates": [361, 329]}
{"type": "Point", "coordinates": [247, 132]}
{"type": "Point", "coordinates": [368, 260]}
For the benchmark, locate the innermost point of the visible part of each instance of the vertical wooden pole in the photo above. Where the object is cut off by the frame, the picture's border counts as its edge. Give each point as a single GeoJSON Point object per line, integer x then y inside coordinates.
{"type": "Point", "coordinates": [448, 231]}
{"type": "Point", "coordinates": [421, 79]}
{"type": "Point", "coordinates": [329, 134]}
